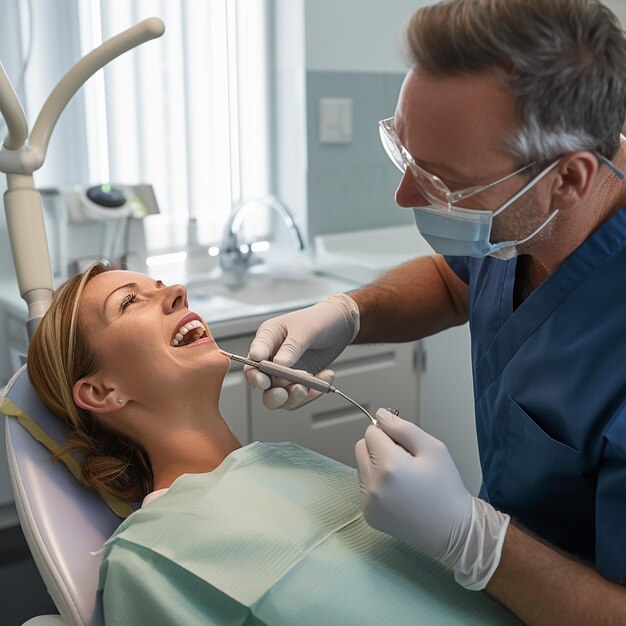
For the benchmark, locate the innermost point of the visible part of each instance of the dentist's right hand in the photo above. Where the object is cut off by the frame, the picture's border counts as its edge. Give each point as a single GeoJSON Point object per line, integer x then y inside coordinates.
{"type": "Point", "coordinates": [309, 339]}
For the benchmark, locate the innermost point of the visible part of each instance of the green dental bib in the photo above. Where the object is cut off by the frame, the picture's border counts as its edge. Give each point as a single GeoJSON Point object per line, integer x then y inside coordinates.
{"type": "Point", "coordinates": [274, 536]}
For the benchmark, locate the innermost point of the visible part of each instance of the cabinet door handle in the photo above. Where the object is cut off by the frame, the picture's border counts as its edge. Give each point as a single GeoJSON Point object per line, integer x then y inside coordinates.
{"type": "Point", "coordinates": [334, 417]}
{"type": "Point", "coordinates": [360, 363]}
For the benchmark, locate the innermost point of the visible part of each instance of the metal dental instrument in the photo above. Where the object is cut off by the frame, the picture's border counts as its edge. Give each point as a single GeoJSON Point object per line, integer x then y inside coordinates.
{"type": "Point", "coordinates": [295, 376]}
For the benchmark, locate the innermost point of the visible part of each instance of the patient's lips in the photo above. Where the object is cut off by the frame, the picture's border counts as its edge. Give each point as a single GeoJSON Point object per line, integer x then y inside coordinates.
{"type": "Point", "coordinates": [190, 330]}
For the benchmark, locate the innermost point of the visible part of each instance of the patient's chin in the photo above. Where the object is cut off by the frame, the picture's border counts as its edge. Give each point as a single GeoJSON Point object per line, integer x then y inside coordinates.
{"type": "Point", "coordinates": [211, 372]}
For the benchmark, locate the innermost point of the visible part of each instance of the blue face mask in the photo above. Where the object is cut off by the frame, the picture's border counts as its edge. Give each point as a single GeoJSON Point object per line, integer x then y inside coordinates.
{"type": "Point", "coordinates": [465, 232]}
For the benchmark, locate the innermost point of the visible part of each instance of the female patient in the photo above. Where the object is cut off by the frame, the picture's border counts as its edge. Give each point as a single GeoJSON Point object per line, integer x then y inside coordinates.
{"type": "Point", "coordinates": [261, 534]}
{"type": "Point", "coordinates": [137, 378]}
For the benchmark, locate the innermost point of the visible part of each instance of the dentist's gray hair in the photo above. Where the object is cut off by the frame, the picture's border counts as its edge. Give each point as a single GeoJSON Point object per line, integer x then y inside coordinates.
{"type": "Point", "coordinates": [564, 61]}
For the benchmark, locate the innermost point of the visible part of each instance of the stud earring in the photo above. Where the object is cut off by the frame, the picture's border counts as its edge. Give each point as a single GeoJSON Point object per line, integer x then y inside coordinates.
{"type": "Point", "coordinates": [120, 400]}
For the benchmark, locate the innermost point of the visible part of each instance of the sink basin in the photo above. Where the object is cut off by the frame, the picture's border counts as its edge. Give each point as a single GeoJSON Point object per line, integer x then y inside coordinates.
{"type": "Point", "coordinates": [260, 291]}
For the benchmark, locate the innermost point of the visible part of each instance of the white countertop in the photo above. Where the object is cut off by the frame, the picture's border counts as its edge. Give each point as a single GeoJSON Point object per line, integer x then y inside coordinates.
{"type": "Point", "coordinates": [351, 258]}
{"type": "Point", "coordinates": [363, 255]}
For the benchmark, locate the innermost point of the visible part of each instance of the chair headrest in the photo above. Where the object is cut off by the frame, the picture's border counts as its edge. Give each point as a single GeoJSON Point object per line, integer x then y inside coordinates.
{"type": "Point", "coordinates": [21, 402]}
{"type": "Point", "coordinates": [63, 521]}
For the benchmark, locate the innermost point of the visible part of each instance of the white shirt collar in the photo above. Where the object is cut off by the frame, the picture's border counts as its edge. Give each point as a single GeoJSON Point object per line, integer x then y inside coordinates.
{"type": "Point", "coordinates": [153, 495]}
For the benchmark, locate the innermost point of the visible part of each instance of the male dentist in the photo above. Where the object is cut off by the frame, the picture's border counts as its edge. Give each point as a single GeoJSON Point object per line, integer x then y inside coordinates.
{"type": "Point", "coordinates": [507, 134]}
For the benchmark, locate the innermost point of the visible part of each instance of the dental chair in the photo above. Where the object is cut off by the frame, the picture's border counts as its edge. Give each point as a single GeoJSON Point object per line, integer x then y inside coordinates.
{"type": "Point", "coordinates": [63, 522]}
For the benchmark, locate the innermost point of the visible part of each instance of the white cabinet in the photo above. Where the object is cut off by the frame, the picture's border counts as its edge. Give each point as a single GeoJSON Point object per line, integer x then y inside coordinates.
{"type": "Point", "coordinates": [384, 375]}
{"type": "Point", "coordinates": [374, 376]}
{"type": "Point", "coordinates": [447, 400]}
{"type": "Point", "coordinates": [15, 342]}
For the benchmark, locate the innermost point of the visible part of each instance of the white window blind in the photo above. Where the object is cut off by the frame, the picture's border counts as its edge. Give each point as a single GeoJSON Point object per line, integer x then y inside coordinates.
{"type": "Point", "coordinates": [187, 113]}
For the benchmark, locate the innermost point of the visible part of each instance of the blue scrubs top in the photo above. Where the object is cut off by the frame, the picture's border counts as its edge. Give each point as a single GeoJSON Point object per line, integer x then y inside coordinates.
{"type": "Point", "coordinates": [550, 395]}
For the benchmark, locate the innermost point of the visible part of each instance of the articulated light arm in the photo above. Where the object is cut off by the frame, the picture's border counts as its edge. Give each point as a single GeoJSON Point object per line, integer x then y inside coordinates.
{"type": "Point", "coordinates": [21, 156]}
{"type": "Point", "coordinates": [76, 77]}
{"type": "Point", "coordinates": [13, 114]}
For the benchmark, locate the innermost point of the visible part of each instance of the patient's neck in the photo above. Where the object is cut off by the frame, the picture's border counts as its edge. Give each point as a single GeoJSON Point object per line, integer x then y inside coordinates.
{"type": "Point", "coordinates": [189, 447]}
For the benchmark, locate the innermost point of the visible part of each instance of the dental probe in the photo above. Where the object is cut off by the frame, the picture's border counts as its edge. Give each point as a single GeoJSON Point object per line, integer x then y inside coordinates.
{"type": "Point", "coordinates": [295, 376]}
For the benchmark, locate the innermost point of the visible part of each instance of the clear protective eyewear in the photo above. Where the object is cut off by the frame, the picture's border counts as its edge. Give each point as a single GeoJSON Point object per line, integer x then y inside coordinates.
{"type": "Point", "coordinates": [430, 185]}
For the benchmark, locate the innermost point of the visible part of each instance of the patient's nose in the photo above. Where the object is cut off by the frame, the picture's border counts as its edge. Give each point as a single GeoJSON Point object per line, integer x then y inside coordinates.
{"type": "Point", "coordinates": [174, 298]}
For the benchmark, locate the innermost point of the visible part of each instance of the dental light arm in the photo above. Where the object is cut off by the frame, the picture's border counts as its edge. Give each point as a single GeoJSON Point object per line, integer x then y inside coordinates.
{"type": "Point", "coordinates": [151, 28]}
{"type": "Point", "coordinates": [20, 156]}
{"type": "Point", "coordinates": [13, 114]}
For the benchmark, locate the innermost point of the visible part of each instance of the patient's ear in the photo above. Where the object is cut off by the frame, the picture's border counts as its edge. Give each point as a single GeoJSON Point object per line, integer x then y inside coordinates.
{"type": "Point", "coordinates": [91, 394]}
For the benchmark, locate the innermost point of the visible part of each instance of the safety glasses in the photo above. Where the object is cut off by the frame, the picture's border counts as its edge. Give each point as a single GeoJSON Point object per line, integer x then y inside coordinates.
{"type": "Point", "coordinates": [431, 186]}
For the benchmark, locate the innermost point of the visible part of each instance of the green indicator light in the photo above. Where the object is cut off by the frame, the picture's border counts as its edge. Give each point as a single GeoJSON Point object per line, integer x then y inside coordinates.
{"type": "Point", "coordinates": [106, 188]}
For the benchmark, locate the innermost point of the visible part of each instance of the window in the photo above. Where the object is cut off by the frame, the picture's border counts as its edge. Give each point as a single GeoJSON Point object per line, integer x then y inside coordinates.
{"type": "Point", "coordinates": [188, 113]}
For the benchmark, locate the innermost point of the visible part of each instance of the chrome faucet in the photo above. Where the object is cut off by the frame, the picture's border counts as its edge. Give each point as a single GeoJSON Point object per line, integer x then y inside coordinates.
{"type": "Point", "coordinates": [237, 257]}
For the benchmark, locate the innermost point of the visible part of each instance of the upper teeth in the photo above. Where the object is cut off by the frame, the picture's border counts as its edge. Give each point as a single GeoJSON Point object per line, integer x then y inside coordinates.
{"type": "Point", "coordinates": [195, 325]}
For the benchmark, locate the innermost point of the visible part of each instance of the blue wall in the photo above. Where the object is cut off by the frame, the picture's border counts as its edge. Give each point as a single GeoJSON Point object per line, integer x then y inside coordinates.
{"type": "Point", "coordinates": [351, 186]}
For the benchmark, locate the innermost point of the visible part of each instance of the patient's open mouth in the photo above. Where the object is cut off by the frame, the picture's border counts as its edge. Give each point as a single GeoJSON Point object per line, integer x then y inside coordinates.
{"type": "Point", "coordinates": [188, 333]}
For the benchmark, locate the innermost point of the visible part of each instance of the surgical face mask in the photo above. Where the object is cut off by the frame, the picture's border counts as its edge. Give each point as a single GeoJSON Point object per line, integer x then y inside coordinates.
{"type": "Point", "coordinates": [460, 231]}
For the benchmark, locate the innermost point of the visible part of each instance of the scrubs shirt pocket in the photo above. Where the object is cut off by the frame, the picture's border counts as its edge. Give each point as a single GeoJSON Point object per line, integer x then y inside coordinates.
{"type": "Point", "coordinates": [541, 486]}
{"type": "Point", "coordinates": [539, 473]}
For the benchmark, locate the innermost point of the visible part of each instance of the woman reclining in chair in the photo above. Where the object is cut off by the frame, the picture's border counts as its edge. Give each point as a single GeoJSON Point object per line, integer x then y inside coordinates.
{"type": "Point", "coordinates": [268, 533]}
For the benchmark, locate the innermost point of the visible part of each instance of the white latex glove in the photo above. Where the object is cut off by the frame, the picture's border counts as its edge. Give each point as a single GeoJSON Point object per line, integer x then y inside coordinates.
{"type": "Point", "coordinates": [310, 340]}
{"type": "Point", "coordinates": [411, 488]}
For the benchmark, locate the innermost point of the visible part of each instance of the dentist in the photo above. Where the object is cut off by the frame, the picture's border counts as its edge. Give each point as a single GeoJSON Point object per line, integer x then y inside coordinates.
{"type": "Point", "coordinates": [507, 134]}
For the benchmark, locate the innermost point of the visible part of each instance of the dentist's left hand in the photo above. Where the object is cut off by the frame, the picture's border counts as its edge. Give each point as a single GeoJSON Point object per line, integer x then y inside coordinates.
{"type": "Point", "coordinates": [411, 488]}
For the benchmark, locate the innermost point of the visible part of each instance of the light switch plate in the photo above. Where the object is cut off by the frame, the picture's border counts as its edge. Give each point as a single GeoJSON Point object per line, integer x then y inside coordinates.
{"type": "Point", "coordinates": [336, 124]}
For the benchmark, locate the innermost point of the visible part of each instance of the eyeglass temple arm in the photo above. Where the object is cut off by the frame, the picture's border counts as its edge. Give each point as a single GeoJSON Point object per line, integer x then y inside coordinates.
{"type": "Point", "coordinates": [610, 165]}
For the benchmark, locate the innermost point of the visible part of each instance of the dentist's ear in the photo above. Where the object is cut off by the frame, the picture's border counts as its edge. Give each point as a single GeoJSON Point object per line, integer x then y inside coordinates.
{"type": "Point", "coordinates": [94, 396]}
{"type": "Point", "coordinates": [576, 175]}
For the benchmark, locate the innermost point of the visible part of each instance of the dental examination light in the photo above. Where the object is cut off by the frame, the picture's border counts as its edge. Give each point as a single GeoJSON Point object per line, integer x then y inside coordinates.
{"type": "Point", "coordinates": [21, 154]}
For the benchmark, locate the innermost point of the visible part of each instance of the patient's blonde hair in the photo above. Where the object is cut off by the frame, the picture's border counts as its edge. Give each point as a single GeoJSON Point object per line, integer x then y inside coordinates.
{"type": "Point", "coordinates": [59, 355]}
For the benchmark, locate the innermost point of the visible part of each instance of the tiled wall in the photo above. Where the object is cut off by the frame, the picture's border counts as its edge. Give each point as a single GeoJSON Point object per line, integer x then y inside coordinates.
{"type": "Point", "coordinates": [351, 186]}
